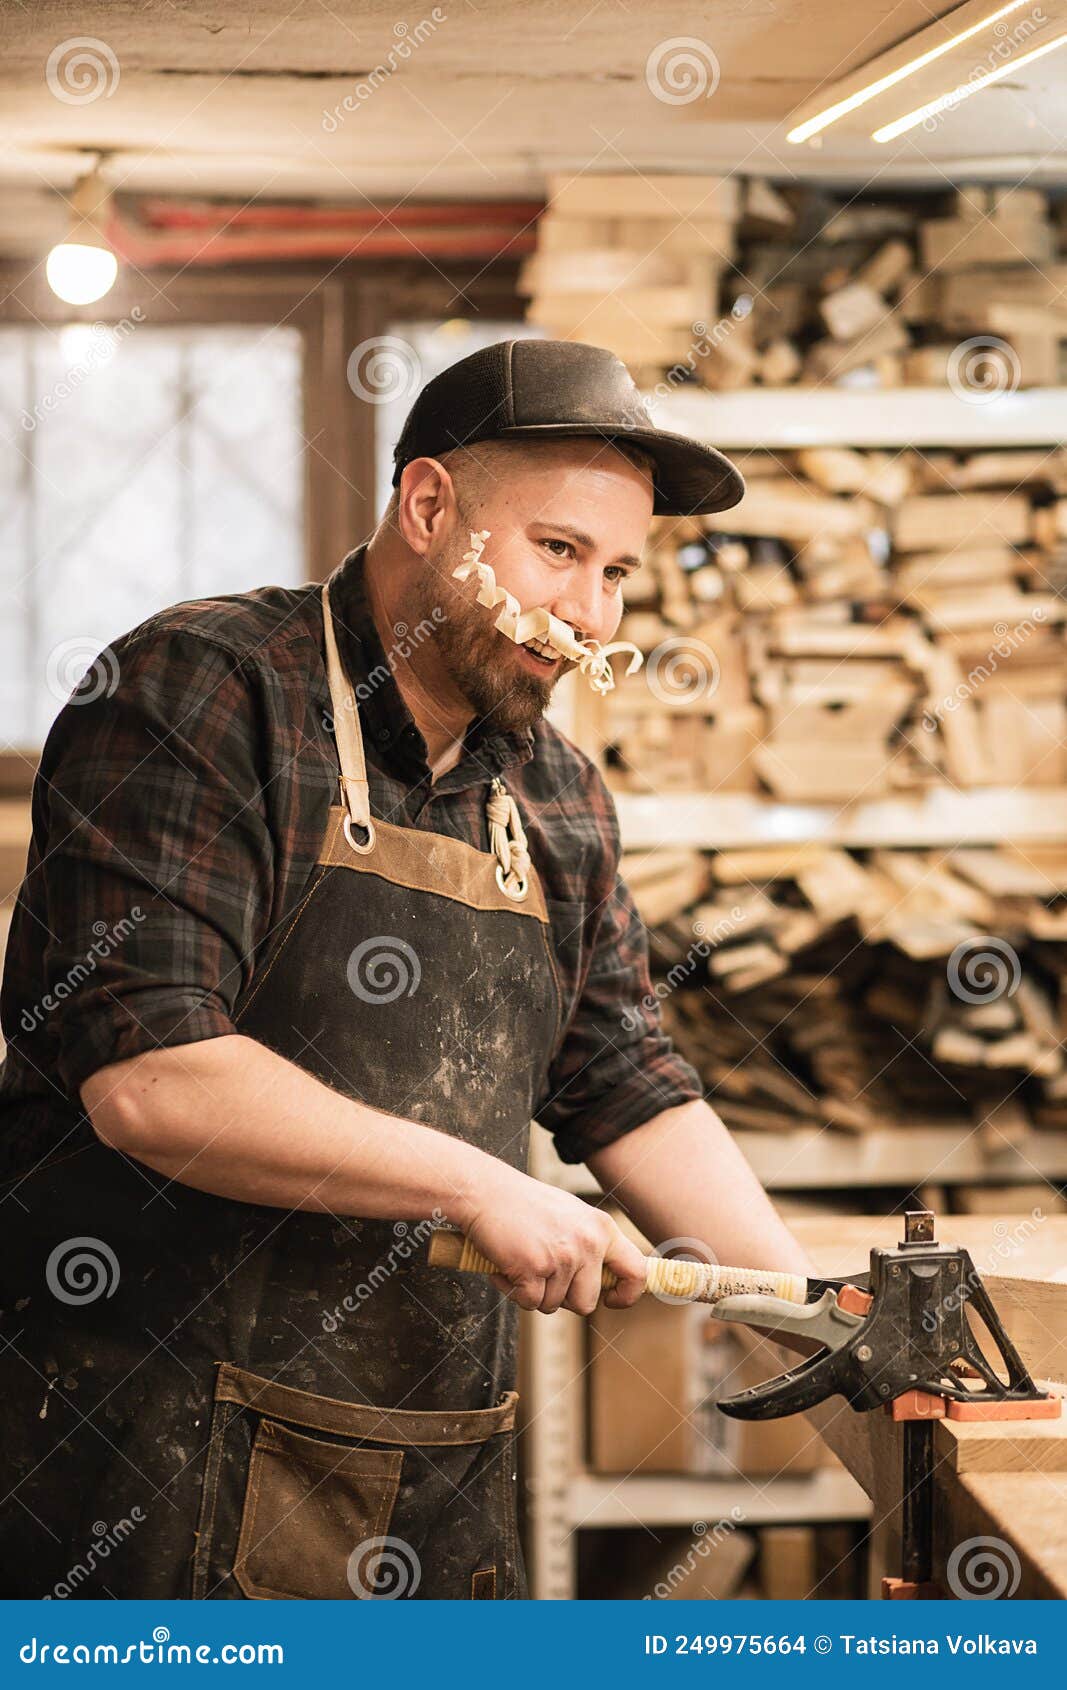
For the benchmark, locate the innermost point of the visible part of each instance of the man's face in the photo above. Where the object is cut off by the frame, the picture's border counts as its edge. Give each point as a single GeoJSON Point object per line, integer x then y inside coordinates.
{"type": "Point", "coordinates": [566, 527]}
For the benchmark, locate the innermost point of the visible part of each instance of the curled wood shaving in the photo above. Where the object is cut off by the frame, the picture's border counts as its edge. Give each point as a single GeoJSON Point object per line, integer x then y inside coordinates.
{"type": "Point", "coordinates": [520, 625]}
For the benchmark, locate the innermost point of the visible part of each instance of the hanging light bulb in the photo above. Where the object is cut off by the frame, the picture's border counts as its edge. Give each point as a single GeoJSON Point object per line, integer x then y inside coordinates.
{"type": "Point", "coordinates": [83, 268]}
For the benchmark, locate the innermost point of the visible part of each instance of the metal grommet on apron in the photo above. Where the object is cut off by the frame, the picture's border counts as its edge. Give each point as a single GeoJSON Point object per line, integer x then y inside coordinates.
{"type": "Point", "coordinates": [269, 1393]}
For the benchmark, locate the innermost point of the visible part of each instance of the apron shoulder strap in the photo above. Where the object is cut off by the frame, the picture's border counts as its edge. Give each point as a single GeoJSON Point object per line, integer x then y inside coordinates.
{"type": "Point", "coordinates": [507, 837]}
{"type": "Point", "coordinates": [355, 788]}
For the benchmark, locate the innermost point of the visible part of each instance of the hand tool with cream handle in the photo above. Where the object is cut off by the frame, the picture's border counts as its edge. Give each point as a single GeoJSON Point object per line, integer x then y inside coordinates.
{"type": "Point", "coordinates": [693, 1282]}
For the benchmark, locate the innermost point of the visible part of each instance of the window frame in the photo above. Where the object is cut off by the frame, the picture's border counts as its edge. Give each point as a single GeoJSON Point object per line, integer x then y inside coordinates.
{"type": "Point", "coordinates": [336, 308]}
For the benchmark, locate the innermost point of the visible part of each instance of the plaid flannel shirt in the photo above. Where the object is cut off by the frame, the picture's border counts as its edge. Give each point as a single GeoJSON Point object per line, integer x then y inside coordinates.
{"type": "Point", "coordinates": [177, 816]}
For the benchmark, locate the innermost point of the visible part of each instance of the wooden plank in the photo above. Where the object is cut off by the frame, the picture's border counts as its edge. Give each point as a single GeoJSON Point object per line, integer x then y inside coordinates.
{"type": "Point", "coordinates": [629, 194]}
{"type": "Point", "coordinates": [938, 816]}
{"type": "Point", "coordinates": [595, 271]}
{"type": "Point", "coordinates": [664, 883]}
{"type": "Point", "coordinates": [952, 244]}
{"type": "Point", "coordinates": [898, 1154]}
{"type": "Point", "coordinates": [829, 359]}
{"type": "Point", "coordinates": [673, 307]}
{"type": "Point", "coordinates": [1026, 1512]}
{"type": "Point", "coordinates": [675, 1500]}
{"type": "Point", "coordinates": [1039, 872]}
{"type": "Point", "coordinates": [1006, 1446]}
{"type": "Point", "coordinates": [852, 310]}
{"type": "Point", "coordinates": [930, 521]}
{"type": "Point", "coordinates": [888, 267]}
{"type": "Point", "coordinates": [710, 240]}
{"type": "Point", "coordinates": [837, 469]}
{"type": "Point", "coordinates": [913, 416]}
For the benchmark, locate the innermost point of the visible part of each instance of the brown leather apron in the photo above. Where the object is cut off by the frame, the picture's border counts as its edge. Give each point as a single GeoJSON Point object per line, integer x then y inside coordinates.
{"type": "Point", "coordinates": [295, 1405]}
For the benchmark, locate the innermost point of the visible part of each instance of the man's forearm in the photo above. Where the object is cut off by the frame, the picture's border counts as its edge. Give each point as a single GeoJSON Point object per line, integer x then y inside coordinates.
{"type": "Point", "coordinates": [681, 1175]}
{"type": "Point", "coordinates": [231, 1117]}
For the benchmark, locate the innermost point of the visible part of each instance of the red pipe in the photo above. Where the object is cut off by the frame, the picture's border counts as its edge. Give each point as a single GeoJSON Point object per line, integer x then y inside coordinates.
{"type": "Point", "coordinates": [144, 250]}
{"type": "Point", "coordinates": [172, 214]}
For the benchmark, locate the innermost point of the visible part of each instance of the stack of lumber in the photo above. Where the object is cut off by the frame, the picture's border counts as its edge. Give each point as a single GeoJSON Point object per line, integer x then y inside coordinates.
{"type": "Point", "coordinates": [631, 262]}
{"type": "Point", "coordinates": [861, 623]}
{"type": "Point", "coordinates": [812, 986]}
{"type": "Point", "coordinates": [809, 288]}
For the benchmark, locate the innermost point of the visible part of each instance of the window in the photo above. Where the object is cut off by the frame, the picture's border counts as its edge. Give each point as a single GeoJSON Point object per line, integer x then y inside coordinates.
{"type": "Point", "coordinates": [143, 466]}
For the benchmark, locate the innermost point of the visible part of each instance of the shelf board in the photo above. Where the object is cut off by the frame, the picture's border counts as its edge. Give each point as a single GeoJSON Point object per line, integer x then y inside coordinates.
{"type": "Point", "coordinates": [769, 419]}
{"type": "Point", "coordinates": [813, 1158]}
{"type": "Point", "coordinates": [808, 1158]}
{"type": "Point", "coordinates": [666, 1499]}
{"type": "Point", "coordinates": [938, 816]}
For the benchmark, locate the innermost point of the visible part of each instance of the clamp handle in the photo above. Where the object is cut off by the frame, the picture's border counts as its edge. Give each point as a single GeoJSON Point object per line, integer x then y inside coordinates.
{"type": "Point", "coordinates": [825, 1321]}
{"type": "Point", "coordinates": [692, 1282]}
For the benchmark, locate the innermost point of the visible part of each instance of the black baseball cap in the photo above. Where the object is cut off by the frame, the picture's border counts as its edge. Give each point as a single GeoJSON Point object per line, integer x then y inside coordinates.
{"type": "Point", "coordinates": [547, 389]}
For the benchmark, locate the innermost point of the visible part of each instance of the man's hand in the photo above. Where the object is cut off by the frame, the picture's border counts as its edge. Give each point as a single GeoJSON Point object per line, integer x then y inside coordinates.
{"type": "Point", "coordinates": [551, 1247]}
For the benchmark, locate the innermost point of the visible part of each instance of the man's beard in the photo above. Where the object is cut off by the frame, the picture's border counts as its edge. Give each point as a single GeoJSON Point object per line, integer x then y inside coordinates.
{"type": "Point", "coordinates": [502, 697]}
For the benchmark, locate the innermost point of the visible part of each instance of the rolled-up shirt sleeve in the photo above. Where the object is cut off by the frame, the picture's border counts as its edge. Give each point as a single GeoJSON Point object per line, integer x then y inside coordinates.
{"type": "Point", "coordinates": [616, 1067]}
{"type": "Point", "coordinates": [158, 865]}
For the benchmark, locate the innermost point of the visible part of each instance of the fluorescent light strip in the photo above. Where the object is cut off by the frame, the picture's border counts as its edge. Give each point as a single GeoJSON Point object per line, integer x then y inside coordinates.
{"type": "Point", "coordinates": [814, 125]}
{"type": "Point", "coordinates": [890, 131]}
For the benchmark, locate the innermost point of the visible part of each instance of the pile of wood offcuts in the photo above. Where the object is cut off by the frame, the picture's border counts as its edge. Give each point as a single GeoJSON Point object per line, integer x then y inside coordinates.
{"type": "Point", "coordinates": [862, 623]}
{"type": "Point", "coordinates": [812, 986]}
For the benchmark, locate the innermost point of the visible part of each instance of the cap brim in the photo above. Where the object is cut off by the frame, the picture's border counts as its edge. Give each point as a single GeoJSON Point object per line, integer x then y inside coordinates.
{"type": "Point", "coordinates": [691, 479]}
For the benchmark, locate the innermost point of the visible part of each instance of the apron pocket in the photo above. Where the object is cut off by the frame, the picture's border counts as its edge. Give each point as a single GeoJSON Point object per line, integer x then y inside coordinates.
{"type": "Point", "coordinates": [308, 1507]}
{"type": "Point", "coordinates": [309, 1497]}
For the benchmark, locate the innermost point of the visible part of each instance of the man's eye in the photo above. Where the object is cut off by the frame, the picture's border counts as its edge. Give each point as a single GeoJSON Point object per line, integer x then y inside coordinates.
{"type": "Point", "coordinates": [566, 544]}
{"type": "Point", "coordinates": [616, 572]}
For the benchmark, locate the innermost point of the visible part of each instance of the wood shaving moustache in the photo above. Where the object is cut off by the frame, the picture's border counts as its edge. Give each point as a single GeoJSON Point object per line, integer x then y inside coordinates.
{"type": "Point", "coordinates": [521, 625]}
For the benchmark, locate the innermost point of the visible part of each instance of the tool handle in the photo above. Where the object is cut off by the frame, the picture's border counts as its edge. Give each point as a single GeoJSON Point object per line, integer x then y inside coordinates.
{"type": "Point", "coordinates": [694, 1282]}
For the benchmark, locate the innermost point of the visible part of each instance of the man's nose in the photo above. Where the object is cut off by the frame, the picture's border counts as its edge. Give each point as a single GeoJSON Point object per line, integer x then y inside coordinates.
{"type": "Point", "coordinates": [581, 605]}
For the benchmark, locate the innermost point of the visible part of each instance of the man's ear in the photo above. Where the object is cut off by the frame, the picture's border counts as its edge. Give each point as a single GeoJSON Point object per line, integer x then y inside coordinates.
{"type": "Point", "coordinates": [426, 505]}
